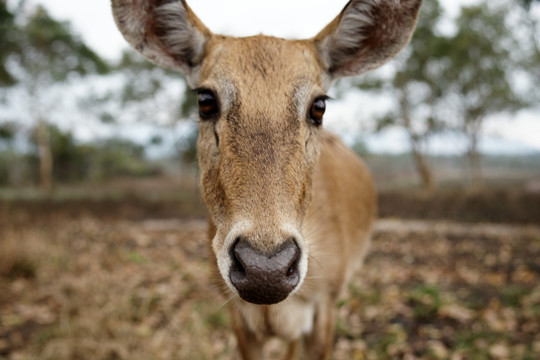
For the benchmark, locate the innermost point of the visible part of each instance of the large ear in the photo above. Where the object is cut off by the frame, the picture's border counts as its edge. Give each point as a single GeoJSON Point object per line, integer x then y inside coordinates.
{"type": "Point", "coordinates": [366, 34]}
{"type": "Point", "coordinates": [167, 32]}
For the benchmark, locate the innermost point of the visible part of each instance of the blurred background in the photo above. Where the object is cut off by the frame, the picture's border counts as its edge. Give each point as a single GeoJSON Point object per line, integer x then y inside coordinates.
{"type": "Point", "coordinates": [98, 162]}
{"type": "Point", "coordinates": [458, 108]}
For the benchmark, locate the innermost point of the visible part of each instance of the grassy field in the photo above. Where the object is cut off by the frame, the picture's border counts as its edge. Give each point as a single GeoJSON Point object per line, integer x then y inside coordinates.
{"type": "Point", "coordinates": [77, 282]}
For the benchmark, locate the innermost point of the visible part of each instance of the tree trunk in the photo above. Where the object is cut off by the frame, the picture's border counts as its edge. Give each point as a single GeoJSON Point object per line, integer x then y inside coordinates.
{"type": "Point", "coordinates": [475, 162]}
{"type": "Point", "coordinates": [472, 130]}
{"type": "Point", "coordinates": [424, 172]}
{"type": "Point", "coordinates": [45, 156]}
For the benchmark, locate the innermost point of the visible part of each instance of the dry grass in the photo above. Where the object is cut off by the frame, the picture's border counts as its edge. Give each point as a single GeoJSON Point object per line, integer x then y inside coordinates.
{"type": "Point", "coordinates": [85, 288]}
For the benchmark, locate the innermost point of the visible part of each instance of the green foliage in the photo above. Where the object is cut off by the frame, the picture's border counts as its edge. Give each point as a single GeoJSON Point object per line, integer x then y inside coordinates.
{"type": "Point", "coordinates": [189, 105]}
{"type": "Point", "coordinates": [481, 64]}
{"type": "Point", "coordinates": [51, 47]}
{"type": "Point", "coordinates": [8, 43]}
{"type": "Point", "coordinates": [7, 131]}
{"type": "Point", "coordinates": [10, 163]}
{"type": "Point", "coordinates": [425, 302]}
{"type": "Point", "coordinates": [141, 92]}
{"type": "Point", "coordinates": [115, 158]}
{"type": "Point", "coordinates": [45, 48]}
{"type": "Point", "coordinates": [527, 3]}
{"type": "Point", "coordinates": [513, 295]}
{"type": "Point", "coordinates": [142, 80]}
{"type": "Point", "coordinates": [188, 148]}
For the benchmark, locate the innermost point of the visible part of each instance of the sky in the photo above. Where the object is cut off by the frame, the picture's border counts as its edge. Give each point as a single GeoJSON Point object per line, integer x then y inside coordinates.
{"type": "Point", "coordinates": [291, 19]}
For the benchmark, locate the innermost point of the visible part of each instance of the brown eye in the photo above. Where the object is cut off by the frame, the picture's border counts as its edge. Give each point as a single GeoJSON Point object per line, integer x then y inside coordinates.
{"type": "Point", "coordinates": [208, 106]}
{"type": "Point", "coordinates": [317, 110]}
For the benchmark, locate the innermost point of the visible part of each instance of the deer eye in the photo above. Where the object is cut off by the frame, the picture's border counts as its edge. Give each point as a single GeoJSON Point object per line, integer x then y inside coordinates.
{"type": "Point", "coordinates": [317, 109]}
{"type": "Point", "coordinates": [208, 105]}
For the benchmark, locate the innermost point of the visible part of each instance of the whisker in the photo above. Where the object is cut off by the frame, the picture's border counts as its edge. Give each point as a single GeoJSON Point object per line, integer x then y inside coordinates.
{"type": "Point", "coordinates": [315, 211]}
{"type": "Point", "coordinates": [225, 302]}
{"type": "Point", "coordinates": [311, 257]}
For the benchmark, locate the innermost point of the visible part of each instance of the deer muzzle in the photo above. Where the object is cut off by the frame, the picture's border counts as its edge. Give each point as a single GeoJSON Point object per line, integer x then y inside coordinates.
{"type": "Point", "coordinates": [262, 278]}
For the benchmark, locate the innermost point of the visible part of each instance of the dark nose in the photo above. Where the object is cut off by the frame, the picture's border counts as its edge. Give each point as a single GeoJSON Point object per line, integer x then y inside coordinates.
{"type": "Point", "coordinates": [261, 278]}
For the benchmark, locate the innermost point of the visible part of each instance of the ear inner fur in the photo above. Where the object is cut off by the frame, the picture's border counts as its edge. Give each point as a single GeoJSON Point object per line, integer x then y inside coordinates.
{"type": "Point", "coordinates": [167, 32]}
{"type": "Point", "coordinates": [366, 35]}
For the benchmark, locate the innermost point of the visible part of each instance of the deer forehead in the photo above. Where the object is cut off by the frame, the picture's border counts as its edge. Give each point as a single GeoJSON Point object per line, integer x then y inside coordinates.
{"type": "Point", "coordinates": [262, 73]}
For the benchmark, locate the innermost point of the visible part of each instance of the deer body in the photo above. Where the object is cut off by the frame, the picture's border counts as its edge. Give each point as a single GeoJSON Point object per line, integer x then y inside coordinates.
{"type": "Point", "coordinates": [290, 206]}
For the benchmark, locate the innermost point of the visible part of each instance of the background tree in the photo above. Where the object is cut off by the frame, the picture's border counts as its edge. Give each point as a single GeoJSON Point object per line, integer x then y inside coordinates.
{"type": "Point", "coordinates": [457, 80]}
{"type": "Point", "coordinates": [7, 156]}
{"type": "Point", "coordinates": [527, 3]}
{"type": "Point", "coordinates": [415, 87]}
{"type": "Point", "coordinates": [529, 28]}
{"type": "Point", "coordinates": [478, 75]}
{"type": "Point", "coordinates": [151, 90]}
{"type": "Point", "coordinates": [8, 43]}
{"type": "Point", "coordinates": [7, 133]}
{"type": "Point", "coordinates": [47, 53]}
{"type": "Point", "coordinates": [146, 94]}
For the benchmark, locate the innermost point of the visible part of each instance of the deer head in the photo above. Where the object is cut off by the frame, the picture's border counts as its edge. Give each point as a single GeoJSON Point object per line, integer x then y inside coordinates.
{"type": "Point", "coordinates": [261, 105]}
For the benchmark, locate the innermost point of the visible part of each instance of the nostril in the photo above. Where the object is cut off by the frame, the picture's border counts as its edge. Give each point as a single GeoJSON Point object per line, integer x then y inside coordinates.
{"type": "Point", "coordinates": [238, 271]}
{"type": "Point", "coordinates": [293, 274]}
{"type": "Point", "coordinates": [293, 269]}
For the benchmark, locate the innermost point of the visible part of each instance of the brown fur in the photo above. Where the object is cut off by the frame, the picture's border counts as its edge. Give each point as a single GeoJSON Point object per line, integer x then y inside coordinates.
{"type": "Point", "coordinates": [268, 173]}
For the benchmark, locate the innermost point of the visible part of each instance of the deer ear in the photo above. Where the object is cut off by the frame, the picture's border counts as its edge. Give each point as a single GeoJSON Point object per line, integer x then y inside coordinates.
{"type": "Point", "coordinates": [167, 32]}
{"type": "Point", "coordinates": [366, 34]}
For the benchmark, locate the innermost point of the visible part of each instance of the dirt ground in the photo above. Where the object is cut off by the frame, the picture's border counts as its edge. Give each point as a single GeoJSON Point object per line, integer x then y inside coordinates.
{"type": "Point", "coordinates": [87, 288]}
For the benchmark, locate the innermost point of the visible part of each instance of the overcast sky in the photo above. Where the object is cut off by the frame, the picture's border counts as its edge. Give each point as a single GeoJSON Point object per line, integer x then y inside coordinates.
{"type": "Point", "coordinates": [92, 19]}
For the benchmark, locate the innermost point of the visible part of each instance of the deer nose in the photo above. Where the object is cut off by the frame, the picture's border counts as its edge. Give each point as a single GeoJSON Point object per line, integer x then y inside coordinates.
{"type": "Point", "coordinates": [264, 278]}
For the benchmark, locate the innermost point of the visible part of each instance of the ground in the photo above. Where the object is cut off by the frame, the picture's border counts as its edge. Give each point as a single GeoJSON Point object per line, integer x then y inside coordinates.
{"type": "Point", "coordinates": [86, 286]}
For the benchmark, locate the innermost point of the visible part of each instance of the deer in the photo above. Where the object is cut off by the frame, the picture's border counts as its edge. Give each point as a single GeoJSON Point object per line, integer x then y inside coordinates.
{"type": "Point", "coordinates": [290, 207]}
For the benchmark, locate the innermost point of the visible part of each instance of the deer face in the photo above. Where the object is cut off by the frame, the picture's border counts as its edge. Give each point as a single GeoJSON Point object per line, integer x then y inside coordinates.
{"type": "Point", "coordinates": [261, 102]}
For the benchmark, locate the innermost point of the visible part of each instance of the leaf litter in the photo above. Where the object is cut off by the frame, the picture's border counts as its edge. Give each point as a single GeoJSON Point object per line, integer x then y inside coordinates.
{"type": "Point", "coordinates": [87, 288]}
